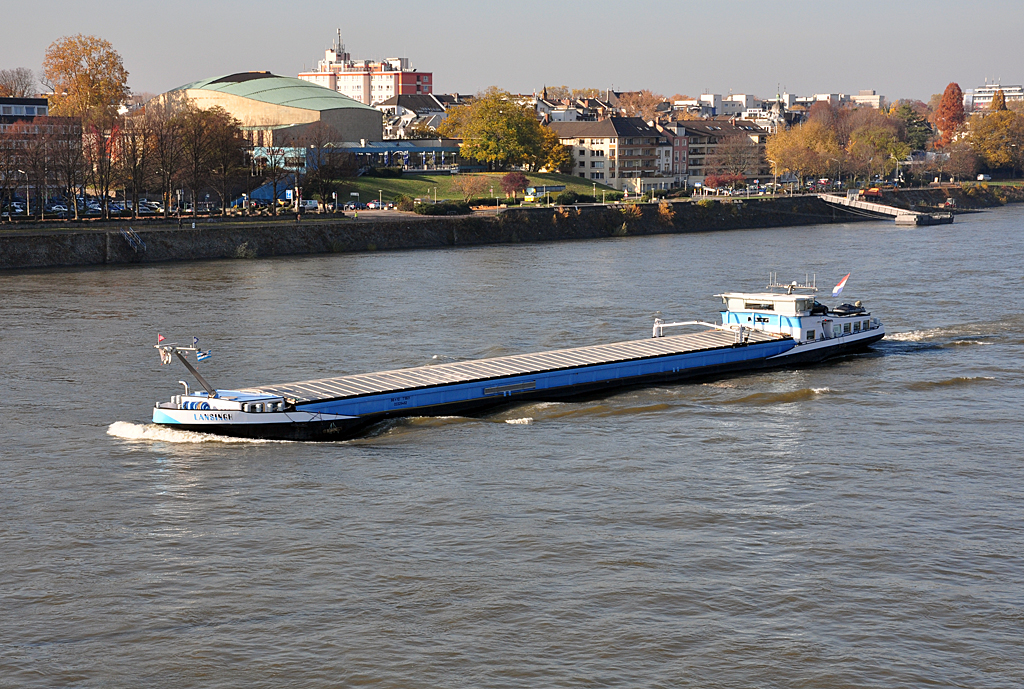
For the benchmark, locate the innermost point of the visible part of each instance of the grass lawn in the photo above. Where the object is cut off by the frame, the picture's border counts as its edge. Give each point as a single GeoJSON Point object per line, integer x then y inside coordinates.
{"type": "Point", "coordinates": [422, 186]}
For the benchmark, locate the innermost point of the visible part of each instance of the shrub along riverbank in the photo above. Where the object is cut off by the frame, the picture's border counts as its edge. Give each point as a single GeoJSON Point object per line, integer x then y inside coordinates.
{"type": "Point", "coordinates": [443, 188]}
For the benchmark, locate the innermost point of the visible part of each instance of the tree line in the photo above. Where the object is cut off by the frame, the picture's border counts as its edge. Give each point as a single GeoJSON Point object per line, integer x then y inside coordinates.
{"type": "Point", "coordinates": [90, 142]}
{"type": "Point", "coordinates": [862, 143]}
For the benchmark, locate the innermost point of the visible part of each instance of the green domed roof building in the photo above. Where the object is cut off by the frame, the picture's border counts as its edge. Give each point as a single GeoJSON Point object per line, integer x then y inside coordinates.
{"type": "Point", "coordinates": [276, 110]}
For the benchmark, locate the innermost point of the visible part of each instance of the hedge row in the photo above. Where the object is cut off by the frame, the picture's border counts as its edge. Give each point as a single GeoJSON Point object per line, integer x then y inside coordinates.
{"type": "Point", "coordinates": [446, 208]}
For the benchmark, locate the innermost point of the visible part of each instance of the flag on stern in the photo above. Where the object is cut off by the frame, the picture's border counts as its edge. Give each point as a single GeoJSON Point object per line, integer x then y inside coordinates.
{"type": "Point", "coordinates": [200, 356]}
{"type": "Point", "coordinates": [838, 289]}
{"type": "Point", "coordinates": [160, 338]}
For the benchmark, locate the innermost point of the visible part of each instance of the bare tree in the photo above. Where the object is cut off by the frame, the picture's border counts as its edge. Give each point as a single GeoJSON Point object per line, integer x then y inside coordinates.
{"type": "Point", "coordinates": [227, 154]}
{"type": "Point", "coordinates": [271, 162]}
{"type": "Point", "coordinates": [165, 148]}
{"type": "Point", "coordinates": [963, 163]}
{"type": "Point", "coordinates": [66, 155]}
{"type": "Point", "coordinates": [17, 83]}
{"type": "Point", "coordinates": [469, 185]}
{"type": "Point", "coordinates": [35, 163]}
{"type": "Point", "coordinates": [734, 155]}
{"type": "Point", "coordinates": [196, 143]}
{"type": "Point", "coordinates": [325, 163]}
{"type": "Point", "coordinates": [98, 140]}
{"type": "Point", "coordinates": [643, 103]}
{"type": "Point", "coordinates": [10, 161]}
{"type": "Point", "coordinates": [133, 157]}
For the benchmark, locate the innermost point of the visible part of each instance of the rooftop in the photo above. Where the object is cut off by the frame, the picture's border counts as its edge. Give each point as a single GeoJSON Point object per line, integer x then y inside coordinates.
{"type": "Point", "coordinates": [277, 90]}
{"type": "Point", "coordinates": [608, 128]}
{"type": "Point", "coordinates": [419, 103]}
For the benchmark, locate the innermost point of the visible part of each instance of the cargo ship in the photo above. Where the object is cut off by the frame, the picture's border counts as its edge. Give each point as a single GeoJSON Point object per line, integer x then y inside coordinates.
{"type": "Point", "coordinates": [783, 326]}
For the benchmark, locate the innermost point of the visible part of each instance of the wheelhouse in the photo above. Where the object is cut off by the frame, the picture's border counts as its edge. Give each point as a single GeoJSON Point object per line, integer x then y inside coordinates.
{"type": "Point", "coordinates": [800, 316]}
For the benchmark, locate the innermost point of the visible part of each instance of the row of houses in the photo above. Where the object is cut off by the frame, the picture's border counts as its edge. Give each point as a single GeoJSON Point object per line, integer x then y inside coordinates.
{"type": "Point", "coordinates": [632, 155]}
{"type": "Point", "coordinates": [627, 153]}
{"type": "Point", "coordinates": [405, 112]}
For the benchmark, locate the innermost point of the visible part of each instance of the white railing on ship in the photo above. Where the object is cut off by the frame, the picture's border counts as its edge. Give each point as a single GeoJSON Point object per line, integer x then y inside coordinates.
{"type": "Point", "coordinates": [660, 325]}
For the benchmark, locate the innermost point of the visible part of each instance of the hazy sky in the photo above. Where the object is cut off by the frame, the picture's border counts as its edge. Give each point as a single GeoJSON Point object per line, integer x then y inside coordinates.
{"type": "Point", "coordinates": [900, 48]}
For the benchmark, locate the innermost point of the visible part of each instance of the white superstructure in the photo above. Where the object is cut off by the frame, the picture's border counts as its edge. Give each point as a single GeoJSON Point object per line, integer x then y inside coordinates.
{"type": "Point", "coordinates": [793, 310]}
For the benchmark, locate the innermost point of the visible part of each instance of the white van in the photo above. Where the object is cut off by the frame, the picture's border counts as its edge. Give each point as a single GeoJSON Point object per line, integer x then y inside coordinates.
{"type": "Point", "coordinates": [308, 205]}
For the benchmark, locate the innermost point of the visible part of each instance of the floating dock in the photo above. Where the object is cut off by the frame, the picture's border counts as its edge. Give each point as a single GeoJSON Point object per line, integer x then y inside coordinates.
{"type": "Point", "coordinates": [902, 216]}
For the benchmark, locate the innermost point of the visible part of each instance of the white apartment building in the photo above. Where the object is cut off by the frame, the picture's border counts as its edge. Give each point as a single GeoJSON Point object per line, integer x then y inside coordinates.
{"type": "Point", "coordinates": [625, 153]}
{"type": "Point", "coordinates": [869, 98]}
{"type": "Point", "coordinates": [866, 97]}
{"type": "Point", "coordinates": [981, 98]}
{"type": "Point", "coordinates": [714, 104]}
{"type": "Point", "coordinates": [367, 81]}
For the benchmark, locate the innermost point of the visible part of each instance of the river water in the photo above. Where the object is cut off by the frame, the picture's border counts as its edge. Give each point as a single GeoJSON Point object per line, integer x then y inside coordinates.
{"type": "Point", "coordinates": [853, 524]}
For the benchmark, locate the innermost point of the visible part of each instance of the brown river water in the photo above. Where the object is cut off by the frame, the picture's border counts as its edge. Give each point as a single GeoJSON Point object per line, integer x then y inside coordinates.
{"type": "Point", "coordinates": [857, 523]}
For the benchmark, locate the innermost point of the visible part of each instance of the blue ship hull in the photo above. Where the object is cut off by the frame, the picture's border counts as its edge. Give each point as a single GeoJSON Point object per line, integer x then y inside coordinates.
{"type": "Point", "coordinates": [451, 399]}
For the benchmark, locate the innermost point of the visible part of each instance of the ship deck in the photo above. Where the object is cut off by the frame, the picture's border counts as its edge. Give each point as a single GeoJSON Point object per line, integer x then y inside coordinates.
{"type": "Point", "coordinates": [400, 380]}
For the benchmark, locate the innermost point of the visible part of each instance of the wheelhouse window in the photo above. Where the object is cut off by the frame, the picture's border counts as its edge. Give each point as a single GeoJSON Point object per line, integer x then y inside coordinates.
{"type": "Point", "coordinates": [810, 336]}
{"type": "Point", "coordinates": [756, 306]}
{"type": "Point", "coordinates": [865, 325]}
{"type": "Point", "coordinates": [846, 328]}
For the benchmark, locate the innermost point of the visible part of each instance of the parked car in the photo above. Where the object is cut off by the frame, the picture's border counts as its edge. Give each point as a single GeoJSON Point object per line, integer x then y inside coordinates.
{"type": "Point", "coordinates": [984, 178]}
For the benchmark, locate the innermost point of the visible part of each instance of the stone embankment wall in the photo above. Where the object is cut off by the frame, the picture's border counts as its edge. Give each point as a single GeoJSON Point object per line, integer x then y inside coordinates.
{"type": "Point", "coordinates": [254, 239]}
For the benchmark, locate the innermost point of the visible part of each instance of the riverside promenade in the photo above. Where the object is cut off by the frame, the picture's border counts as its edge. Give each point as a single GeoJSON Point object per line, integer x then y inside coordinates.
{"type": "Point", "coordinates": [111, 243]}
{"type": "Point", "coordinates": [124, 242]}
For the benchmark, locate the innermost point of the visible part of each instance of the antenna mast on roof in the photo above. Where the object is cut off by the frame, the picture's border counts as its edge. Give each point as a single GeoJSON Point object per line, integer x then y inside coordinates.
{"type": "Point", "coordinates": [808, 286]}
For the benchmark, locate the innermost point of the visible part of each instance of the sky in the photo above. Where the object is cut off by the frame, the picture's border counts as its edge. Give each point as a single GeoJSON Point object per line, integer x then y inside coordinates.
{"type": "Point", "coordinates": [899, 48]}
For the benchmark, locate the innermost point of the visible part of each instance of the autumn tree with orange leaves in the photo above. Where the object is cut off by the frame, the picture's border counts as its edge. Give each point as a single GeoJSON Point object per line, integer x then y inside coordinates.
{"type": "Point", "coordinates": [87, 77]}
{"type": "Point", "coordinates": [950, 115]}
{"type": "Point", "coordinates": [89, 83]}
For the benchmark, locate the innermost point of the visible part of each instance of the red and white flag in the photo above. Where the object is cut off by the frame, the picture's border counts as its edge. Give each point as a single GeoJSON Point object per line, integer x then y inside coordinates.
{"type": "Point", "coordinates": [160, 338]}
{"type": "Point", "coordinates": [837, 290]}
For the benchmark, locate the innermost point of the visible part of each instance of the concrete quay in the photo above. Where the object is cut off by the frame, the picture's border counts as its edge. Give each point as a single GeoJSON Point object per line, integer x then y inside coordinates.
{"type": "Point", "coordinates": [113, 245]}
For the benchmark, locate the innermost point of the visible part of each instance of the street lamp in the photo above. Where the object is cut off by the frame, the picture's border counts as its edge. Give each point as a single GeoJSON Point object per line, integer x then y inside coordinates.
{"type": "Point", "coordinates": [28, 204]}
{"type": "Point", "coordinates": [381, 199]}
{"type": "Point", "coordinates": [595, 191]}
{"type": "Point", "coordinates": [775, 177]}
{"type": "Point", "coordinates": [839, 171]}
